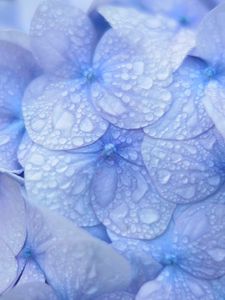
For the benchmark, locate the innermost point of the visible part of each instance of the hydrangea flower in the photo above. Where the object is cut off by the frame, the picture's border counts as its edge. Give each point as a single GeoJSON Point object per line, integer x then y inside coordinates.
{"type": "Point", "coordinates": [71, 105]}
{"type": "Point", "coordinates": [191, 253]}
{"type": "Point", "coordinates": [39, 246]}
{"type": "Point", "coordinates": [103, 182]}
{"type": "Point", "coordinates": [17, 69]}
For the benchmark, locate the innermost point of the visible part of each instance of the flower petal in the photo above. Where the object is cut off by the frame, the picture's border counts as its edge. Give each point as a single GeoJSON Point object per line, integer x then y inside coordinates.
{"type": "Point", "coordinates": [59, 115]}
{"type": "Point", "coordinates": [116, 296]}
{"type": "Point", "coordinates": [24, 149]}
{"type": "Point", "coordinates": [198, 239]}
{"type": "Point", "coordinates": [211, 37]}
{"type": "Point", "coordinates": [61, 180]}
{"type": "Point", "coordinates": [62, 38]}
{"type": "Point", "coordinates": [159, 36]}
{"type": "Point", "coordinates": [17, 68]}
{"type": "Point", "coordinates": [175, 284]}
{"type": "Point", "coordinates": [187, 13]}
{"type": "Point", "coordinates": [138, 253]}
{"type": "Point", "coordinates": [84, 264]}
{"type": "Point", "coordinates": [12, 213]}
{"type": "Point", "coordinates": [122, 195]}
{"type": "Point", "coordinates": [126, 95]}
{"type": "Point", "coordinates": [186, 171]}
{"type": "Point", "coordinates": [31, 273]}
{"type": "Point", "coordinates": [187, 117]}
{"type": "Point", "coordinates": [214, 102]}
{"type": "Point", "coordinates": [30, 291]}
{"type": "Point", "coordinates": [8, 266]}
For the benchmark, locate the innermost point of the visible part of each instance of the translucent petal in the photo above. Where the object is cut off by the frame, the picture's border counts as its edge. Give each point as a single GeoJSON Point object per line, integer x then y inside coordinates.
{"type": "Point", "coordinates": [186, 171]}
{"type": "Point", "coordinates": [8, 267]}
{"type": "Point", "coordinates": [24, 149]}
{"type": "Point", "coordinates": [126, 95]}
{"type": "Point", "coordinates": [125, 203]}
{"type": "Point", "coordinates": [84, 264]}
{"type": "Point", "coordinates": [160, 37]}
{"type": "Point", "coordinates": [62, 38]}
{"type": "Point", "coordinates": [12, 213]}
{"type": "Point", "coordinates": [174, 284]}
{"type": "Point", "coordinates": [61, 180]}
{"type": "Point", "coordinates": [211, 37]}
{"type": "Point", "coordinates": [59, 115]}
{"type": "Point", "coordinates": [30, 291]}
{"type": "Point", "coordinates": [187, 117]}
{"type": "Point", "coordinates": [138, 253]}
{"type": "Point", "coordinates": [198, 239]}
{"type": "Point", "coordinates": [17, 68]}
{"type": "Point", "coordinates": [187, 13]}
{"type": "Point", "coordinates": [214, 102]}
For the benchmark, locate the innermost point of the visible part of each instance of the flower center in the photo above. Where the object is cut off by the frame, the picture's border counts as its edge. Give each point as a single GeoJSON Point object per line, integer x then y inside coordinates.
{"type": "Point", "coordinates": [210, 72]}
{"type": "Point", "coordinates": [109, 149]}
{"type": "Point", "coordinates": [170, 259]}
{"type": "Point", "coordinates": [89, 74]}
{"type": "Point", "coordinates": [27, 252]}
{"type": "Point", "coordinates": [184, 21]}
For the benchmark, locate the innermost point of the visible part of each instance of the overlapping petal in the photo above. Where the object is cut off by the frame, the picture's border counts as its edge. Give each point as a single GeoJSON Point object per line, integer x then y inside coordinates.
{"type": "Point", "coordinates": [125, 202]}
{"type": "Point", "coordinates": [186, 171]}
{"type": "Point", "coordinates": [83, 268]}
{"type": "Point", "coordinates": [61, 181]}
{"type": "Point", "coordinates": [12, 214]}
{"type": "Point", "coordinates": [17, 68]}
{"type": "Point", "coordinates": [63, 38]}
{"type": "Point", "coordinates": [212, 29]}
{"type": "Point", "coordinates": [59, 115]}
{"type": "Point", "coordinates": [174, 284]}
{"type": "Point", "coordinates": [187, 117]}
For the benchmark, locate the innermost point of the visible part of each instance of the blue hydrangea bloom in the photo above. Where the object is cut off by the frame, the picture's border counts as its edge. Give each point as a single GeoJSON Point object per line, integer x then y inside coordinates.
{"type": "Point", "coordinates": [32, 241]}
{"type": "Point", "coordinates": [17, 69]}
{"type": "Point", "coordinates": [104, 182]}
{"type": "Point", "coordinates": [191, 253]}
{"type": "Point", "coordinates": [71, 105]}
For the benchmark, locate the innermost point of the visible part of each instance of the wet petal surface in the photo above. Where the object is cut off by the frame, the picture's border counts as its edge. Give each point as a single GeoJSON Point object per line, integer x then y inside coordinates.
{"type": "Point", "coordinates": [186, 171]}
{"type": "Point", "coordinates": [63, 38]}
{"type": "Point", "coordinates": [59, 115]}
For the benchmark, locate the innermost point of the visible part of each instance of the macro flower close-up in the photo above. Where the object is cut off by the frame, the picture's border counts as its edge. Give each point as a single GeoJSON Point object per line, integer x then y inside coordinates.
{"type": "Point", "coordinates": [112, 150]}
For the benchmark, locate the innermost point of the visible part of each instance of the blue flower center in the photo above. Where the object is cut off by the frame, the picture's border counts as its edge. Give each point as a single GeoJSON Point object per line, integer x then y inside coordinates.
{"type": "Point", "coordinates": [27, 252]}
{"type": "Point", "coordinates": [184, 21]}
{"type": "Point", "coordinates": [89, 74]}
{"type": "Point", "coordinates": [170, 259]}
{"type": "Point", "coordinates": [210, 72]}
{"type": "Point", "coordinates": [109, 149]}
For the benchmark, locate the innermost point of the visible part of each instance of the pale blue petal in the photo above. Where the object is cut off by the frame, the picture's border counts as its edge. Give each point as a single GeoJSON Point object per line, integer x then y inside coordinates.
{"type": "Point", "coordinates": [159, 36]}
{"type": "Point", "coordinates": [139, 254]}
{"type": "Point", "coordinates": [214, 102]}
{"type": "Point", "coordinates": [198, 239]}
{"type": "Point", "coordinates": [12, 213]}
{"type": "Point", "coordinates": [186, 12]}
{"type": "Point", "coordinates": [24, 149]}
{"type": "Point", "coordinates": [125, 202]}
{"type": "Point", "coordinates": [8, 266]}
{"type": "Point", "coordinates": [84, 264]}
{"type": "Point", "coordinates": [186, 171]}
{"type": "Point", "coordinates": [30, 291]}
{"type": "Point", "coordinates": [211, 37]}
{"type": "Point", "coordinates": [59, 115]}
{"type": "Point", "coordinates": [174, 284]}
{"type": "Point", "coordinates": [187, 117]}
{"type": "Point", "coordinates": [61, 180]}
{"type": "Point", "coordinates": [17, 68]}
{"type": "Point", "coordinates": [31, 273]}
{"type": "Point", "coordinates": [134, 72]}
{"type": "Point", "coordinates": [62, 38]}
